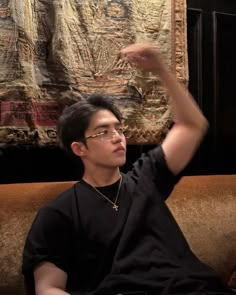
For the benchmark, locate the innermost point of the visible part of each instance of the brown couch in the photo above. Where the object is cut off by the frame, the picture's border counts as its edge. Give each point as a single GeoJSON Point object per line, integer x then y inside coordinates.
{"type": "Point", "coordinates": [204, 206]}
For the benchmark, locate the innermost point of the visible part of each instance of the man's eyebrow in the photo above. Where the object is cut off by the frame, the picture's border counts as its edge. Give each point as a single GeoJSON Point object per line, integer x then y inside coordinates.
{"type": "Point", "coordinates": [107, 125]}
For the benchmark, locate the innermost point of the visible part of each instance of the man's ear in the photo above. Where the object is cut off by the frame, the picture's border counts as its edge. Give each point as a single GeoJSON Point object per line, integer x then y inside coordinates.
{"type": "Point", "coordinates": [78, 148]}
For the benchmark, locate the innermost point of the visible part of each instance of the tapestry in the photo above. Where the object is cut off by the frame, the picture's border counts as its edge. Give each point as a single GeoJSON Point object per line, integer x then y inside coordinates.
{"type": "Point", "coordinates": [54, 53]}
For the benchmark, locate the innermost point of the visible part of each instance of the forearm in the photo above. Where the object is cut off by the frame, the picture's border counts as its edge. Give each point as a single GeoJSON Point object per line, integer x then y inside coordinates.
{"type": "Point", "coordinates": [50, 280]}
{"type": "Point", "coordinates": [190, 124]}
{"type": "Point", "coordinates": [185, 109]}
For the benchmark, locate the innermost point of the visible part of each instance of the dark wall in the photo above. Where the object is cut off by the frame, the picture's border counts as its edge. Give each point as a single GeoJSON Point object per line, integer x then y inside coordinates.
{"type": "Point", "coordinates": [33, 164]}
{"type": "Point", "coordinates": [212, 64]}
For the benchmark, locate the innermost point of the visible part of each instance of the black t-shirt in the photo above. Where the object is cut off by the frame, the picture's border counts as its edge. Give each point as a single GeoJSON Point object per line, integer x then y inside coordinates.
{"type": "Point", "coordinates": [137, 248]}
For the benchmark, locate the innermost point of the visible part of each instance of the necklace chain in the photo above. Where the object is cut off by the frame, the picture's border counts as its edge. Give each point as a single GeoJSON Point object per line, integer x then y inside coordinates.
{"type": "Point", "coordinates": [115, 206]}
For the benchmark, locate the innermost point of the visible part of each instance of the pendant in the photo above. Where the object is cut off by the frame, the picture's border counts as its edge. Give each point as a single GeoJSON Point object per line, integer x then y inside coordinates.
{"type": "Point", "coordinates": [115, 207]}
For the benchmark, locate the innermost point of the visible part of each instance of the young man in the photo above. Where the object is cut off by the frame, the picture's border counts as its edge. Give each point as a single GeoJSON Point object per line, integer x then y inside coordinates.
{"type": "Point", "coordinates": [112, 233]}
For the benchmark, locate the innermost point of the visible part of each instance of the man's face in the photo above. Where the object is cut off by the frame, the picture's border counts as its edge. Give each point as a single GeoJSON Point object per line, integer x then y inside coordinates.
{"type": "Point", "coordinates": [106, 143]}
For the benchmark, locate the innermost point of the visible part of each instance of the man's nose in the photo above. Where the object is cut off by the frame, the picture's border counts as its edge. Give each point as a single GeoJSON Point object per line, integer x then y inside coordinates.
{"type": "Point", "coordinates": [115, 135]}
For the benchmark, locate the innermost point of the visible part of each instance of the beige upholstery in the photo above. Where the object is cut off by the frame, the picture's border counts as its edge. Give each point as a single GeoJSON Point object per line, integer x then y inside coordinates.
{"type": "Point", "coordinates": [204, 206]}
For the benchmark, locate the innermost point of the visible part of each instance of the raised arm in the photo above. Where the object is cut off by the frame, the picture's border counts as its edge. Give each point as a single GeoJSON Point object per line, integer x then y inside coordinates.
{"type": "Point", "coordinates": [190, 125]}
{"type": "Point", "coordinates": [50, 280]}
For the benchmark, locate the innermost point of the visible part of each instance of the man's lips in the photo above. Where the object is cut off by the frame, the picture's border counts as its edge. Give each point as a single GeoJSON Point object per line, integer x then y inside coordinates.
{"type": "Point", "coordinates": [119, 149]}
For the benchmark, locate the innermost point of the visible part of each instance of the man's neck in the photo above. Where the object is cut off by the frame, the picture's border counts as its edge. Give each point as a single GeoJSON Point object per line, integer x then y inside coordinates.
{"type": "Point", "coordinates": [102, 177]}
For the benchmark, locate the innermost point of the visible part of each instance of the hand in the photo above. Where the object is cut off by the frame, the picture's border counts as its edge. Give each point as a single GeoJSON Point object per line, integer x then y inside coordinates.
{"type": "Point", "coordinates": [143, 56]}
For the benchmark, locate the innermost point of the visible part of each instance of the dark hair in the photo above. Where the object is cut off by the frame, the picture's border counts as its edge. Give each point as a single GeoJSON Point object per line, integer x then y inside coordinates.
{"type": "Point", "coordinates": [76, 118]}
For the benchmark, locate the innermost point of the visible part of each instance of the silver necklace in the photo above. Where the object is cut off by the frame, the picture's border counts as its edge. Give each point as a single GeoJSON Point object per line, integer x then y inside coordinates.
{"type": "Point", "coordinates": [114, 204]}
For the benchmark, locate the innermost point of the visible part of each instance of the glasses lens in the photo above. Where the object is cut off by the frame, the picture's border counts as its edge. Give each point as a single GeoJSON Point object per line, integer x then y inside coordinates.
{"type": "Point", "coordinates": [109, 135]}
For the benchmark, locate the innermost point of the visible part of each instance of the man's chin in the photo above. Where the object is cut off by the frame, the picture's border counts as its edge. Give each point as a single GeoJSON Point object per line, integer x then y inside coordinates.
{"type": "Point", "coordinates": [122, 163]}
{"type": "Point", "coordinates": [119, 162]}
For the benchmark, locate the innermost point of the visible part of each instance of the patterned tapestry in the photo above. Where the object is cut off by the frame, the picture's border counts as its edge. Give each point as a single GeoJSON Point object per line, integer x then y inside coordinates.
{"type": "Point", "coordinates": [54, 53]}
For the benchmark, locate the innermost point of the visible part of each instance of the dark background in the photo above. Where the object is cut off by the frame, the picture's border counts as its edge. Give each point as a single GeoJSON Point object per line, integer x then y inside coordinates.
{"type": "Point", "coordinates": [212, 80]}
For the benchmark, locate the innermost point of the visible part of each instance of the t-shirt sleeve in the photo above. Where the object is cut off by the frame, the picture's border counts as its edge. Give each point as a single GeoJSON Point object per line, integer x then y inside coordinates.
{"type": "Point", "coordinates": [49, 239]}
{"type": "Point", "coordinates": [154, 166]}
{"type": "Point", "coordinates": [165, 179]}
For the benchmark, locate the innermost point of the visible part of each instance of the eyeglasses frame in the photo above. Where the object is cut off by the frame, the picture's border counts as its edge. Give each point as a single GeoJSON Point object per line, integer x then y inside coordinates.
{"type": "Point", "coordinates": [114, 132]}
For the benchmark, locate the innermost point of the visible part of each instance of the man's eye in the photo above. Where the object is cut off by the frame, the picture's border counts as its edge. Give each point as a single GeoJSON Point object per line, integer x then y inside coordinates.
{"type": "Point", "coordinates": [103, 132]}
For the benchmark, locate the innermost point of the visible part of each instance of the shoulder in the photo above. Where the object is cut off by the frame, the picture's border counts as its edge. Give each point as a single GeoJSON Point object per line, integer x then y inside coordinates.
{"type": "Point", "coordinates": [149, 160]}
{"type": "Point", "coordinates": [152, 168]}
{"type": "Point", "coordinates": [145, 166]}
{"type": "Point", "coordinates": [67, 205]}
{"type": "Point", "coordinates": [61, 205]}
{"type": "Point", "coordinates": [55, 216]}
{"type": "Point", "coordinates": [63, 199]}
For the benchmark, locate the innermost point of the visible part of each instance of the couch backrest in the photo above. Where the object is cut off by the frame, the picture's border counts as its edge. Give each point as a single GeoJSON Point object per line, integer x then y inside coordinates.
{"type": "Point", "coordinates": [204, 206]}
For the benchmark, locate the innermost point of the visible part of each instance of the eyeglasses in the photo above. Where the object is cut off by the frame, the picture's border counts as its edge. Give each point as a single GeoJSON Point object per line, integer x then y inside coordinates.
{"type": "Point", "coordinates": [107, 135]}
